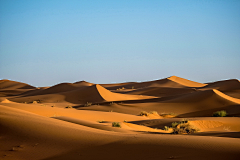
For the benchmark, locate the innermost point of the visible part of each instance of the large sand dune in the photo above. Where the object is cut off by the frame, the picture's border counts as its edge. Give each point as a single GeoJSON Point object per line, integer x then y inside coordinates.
{"type": "Point", "coordinates": [74, 120]}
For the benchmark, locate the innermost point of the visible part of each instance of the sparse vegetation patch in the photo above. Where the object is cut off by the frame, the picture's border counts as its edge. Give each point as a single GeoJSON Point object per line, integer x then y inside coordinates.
{"type": "Point", "coordinates": [220, 114]}
{"type": "Point", "coordinates": [181, 127]}
{"type": "Point", "coordinates": [116, 124]}
{"type": "Point", "coordinates": [144, 113]}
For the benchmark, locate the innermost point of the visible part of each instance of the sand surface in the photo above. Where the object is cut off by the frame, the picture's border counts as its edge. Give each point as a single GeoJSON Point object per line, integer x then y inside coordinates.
{"type": "Point", "coordinates": [74, 120]}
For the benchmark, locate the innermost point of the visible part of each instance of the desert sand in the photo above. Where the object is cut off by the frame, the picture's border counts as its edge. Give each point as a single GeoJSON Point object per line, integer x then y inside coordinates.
{"type": "Point", "coordinates": [72, 121]}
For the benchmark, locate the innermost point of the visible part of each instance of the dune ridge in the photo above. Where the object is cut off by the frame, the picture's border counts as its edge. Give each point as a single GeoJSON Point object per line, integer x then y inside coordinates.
{"type": "Point", "coordinates": [186, 82]}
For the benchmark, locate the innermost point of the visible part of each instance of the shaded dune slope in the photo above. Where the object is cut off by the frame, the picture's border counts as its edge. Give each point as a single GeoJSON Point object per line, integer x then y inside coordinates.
{"type": "Point", "coordinates": [208, 95]}
{"type": "Point", "coordinates": [62, 87]}
{"type": "Point", "coordinates": [171, 82]}
{"type": "Point", "coordinates": [11, 85]}
{"type": "Point", "coordinates": [161, 91]}
{"type": "Point", "coordinates": [95, 93]}
{"type": "Point", "coordinates": [226, 85]}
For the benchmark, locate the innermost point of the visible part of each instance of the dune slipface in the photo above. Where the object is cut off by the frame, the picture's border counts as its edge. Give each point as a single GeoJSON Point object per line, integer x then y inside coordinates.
{"type": "Point", "coordinates": [170, 118]}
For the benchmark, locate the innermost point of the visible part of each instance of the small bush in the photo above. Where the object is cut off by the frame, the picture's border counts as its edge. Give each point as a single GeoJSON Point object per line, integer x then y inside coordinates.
{"type": "Point", "coordinates": [154, 112]}
{"type": "Point", "coordinates": [112, 103]}
{"type": "Point", "coordinates": [220, 114]}
{"type": "Point", "coordinates": [166, 128]}
{"type": "Point", "coordinates": [144, 113]}
{"type": "Point", "coordinates": [116, 124]}
{"type": "Point", "coordinates": [68, 107]}
{"type": "Point", "coordinates": [168, 114]}
{"type": "Point", "coordinates": [34, 102]}
{"type": "Point", "coordinates": [174, 124]}
{"type": "Point", "coordinates": [88, 104]}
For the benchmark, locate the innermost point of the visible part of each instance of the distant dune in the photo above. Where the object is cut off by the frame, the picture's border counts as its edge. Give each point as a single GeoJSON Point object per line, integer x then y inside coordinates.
{"type": "Point", "coordinates": [170, 118]}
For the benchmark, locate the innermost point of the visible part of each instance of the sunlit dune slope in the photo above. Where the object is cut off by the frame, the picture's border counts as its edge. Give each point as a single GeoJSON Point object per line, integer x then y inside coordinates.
{"type": "Point", "coordinates": [185, 82]}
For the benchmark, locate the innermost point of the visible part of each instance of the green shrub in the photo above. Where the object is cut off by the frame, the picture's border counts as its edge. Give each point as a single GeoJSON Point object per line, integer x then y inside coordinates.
{"type": "Point", "coordinates": [166, 128]}
{"type": "Point", "coordinates": [220, 114]}
{"type": "Point", "coordinates": [116, 124]}
{"type": "Point", "coordinates": [174, 124]}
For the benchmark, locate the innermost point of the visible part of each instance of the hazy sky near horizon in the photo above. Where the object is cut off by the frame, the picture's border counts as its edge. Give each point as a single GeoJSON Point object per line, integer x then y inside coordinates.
{"type": "Point", "coordinates": [52, 41]}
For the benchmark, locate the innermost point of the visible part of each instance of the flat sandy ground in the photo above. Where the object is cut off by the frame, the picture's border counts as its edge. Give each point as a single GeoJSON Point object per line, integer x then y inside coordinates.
{"type": "Point", "coordinates": [73, 121]}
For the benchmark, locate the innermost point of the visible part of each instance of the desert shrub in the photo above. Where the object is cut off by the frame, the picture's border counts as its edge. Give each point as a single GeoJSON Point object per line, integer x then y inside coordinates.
{"type": "Point", "coordinates": [68, 107]}
{"type": "Point", "coordinates": [112, 103]}
{"type": "Point", "coordinates": [34, 102]}
{"type": "Point", "coordinates": [220, 114]}
{"type": "Point", "coordinates": [174, 124]}
{"type": "Point", "coordinates": [166, 128]}
{"type": "Point", "coordinates": [181, 127]}
{"type": "Point", "coordinates": [144, 113]}
{"type": "Point", "coordinates": [88, 104]}
{"type": "Point", "coordinates": [120, 88]}
{"type": "Point", "coordinates": [100, 121]}
{"type": "Point", "coordinates": [116, 124]}
{"type": "Point", "coordinates": [154, 112]}
{"type": "Point", "coordinates": [168, 114]}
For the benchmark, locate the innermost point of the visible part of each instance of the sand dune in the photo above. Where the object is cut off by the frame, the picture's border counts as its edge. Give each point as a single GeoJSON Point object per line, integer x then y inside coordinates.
{"type": "Point", "coordinates": [186, 82]}
{"type": "Point", "coordinates": [171, 82]}
{"type": "Point", "coordinates": [11, 85]}
{"type": "Point", "coordinates": [4, 100]}
{"type": "Point", "coordinates": [39, 123]}
{"type": "Point", "coordinates": [226, 85]}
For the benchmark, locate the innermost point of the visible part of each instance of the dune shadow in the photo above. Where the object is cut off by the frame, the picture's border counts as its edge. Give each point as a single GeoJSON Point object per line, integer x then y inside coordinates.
{"type": "Point", "coordinates": [232, 111]}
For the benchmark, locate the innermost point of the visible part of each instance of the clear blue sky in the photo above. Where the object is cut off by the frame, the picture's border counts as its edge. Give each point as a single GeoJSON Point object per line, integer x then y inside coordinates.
{"type": "Point", "coordinates": [45, 42]}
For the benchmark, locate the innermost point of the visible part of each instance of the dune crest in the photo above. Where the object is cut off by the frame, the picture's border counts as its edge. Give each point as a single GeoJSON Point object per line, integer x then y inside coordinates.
{"type": "Point", "coordinates": [11, 85]}
{"type": "Point", "coordinates": [186, 82]}
{"type": "Point", "coordinates": [235, 100]}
